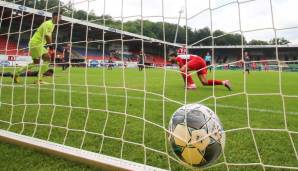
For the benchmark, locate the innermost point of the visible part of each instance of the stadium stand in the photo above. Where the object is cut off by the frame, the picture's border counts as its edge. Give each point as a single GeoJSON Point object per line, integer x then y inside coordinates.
{"type": "Point", "coordinates": [9, 47]}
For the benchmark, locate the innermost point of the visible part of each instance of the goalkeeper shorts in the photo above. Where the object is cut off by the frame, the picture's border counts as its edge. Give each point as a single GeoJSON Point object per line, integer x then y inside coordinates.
{"type": "Point", "coordinates": [37, 50]}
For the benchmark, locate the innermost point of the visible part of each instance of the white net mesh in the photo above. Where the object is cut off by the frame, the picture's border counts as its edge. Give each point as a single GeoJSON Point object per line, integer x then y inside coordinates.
{"type": "Point", "coordinates": [102, 103]}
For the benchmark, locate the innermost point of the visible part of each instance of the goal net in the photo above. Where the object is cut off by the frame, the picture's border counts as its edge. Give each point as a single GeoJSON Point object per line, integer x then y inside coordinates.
{"type": "Point", "coordinates": [113, 90]}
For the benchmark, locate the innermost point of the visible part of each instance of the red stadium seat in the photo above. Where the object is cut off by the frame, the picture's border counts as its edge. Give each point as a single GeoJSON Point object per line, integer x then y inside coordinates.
{"type": "Point", "coordinates": [10, 47]}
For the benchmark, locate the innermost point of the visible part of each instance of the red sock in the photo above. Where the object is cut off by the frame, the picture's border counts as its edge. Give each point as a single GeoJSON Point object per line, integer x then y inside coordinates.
{"type": "Point", "coordinates": [189, 78]}
{"type": "Point", "coordinates": [216, 82]}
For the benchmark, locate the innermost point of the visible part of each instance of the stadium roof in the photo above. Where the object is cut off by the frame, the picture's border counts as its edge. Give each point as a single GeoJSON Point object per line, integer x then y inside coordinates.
{"type": "Point", "coordinates": [108, 31]}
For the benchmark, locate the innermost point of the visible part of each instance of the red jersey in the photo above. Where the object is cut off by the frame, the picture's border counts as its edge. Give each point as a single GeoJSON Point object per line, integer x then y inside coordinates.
{"type": "Point", "coordinates": [194, 62]}
{"type": "Point", "coordinates": [182, 59]}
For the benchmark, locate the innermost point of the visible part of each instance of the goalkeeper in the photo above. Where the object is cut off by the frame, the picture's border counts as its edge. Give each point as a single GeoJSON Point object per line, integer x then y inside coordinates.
{"type": "Point", "coordinates": [41, 38]}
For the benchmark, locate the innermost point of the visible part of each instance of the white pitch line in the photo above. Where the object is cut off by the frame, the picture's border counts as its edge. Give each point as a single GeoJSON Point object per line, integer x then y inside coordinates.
{"type": "Point", "coordinates": [254, 109]}
{"type": "Point", "coordinates": [159, 100]}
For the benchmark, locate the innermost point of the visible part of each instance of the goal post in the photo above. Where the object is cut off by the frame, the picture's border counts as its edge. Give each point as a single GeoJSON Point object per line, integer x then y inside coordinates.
{"type": "Point", "coordinates": [74, 154]}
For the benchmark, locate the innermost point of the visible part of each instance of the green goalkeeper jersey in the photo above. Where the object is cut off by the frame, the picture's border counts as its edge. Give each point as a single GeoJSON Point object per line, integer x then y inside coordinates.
{"type": "Point", "coordinates": [45, 29]}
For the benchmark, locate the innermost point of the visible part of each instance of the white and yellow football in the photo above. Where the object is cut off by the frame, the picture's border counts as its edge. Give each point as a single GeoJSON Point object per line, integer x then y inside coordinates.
{"type": "Point", "coordinates": [196, 135]}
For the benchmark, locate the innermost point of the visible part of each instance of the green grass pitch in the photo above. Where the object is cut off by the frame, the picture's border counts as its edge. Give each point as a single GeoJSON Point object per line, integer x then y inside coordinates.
{"type": "Point", "coordinates": [89, 103]}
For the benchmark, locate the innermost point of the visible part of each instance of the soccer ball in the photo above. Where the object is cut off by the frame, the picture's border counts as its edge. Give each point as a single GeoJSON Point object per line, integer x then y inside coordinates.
{"type": "Point", "coordinates": [196, 135]}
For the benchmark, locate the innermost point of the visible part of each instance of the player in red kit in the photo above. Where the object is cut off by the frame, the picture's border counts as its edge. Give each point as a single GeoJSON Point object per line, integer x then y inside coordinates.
{"type": "Point", "coordinates": [195, 63]}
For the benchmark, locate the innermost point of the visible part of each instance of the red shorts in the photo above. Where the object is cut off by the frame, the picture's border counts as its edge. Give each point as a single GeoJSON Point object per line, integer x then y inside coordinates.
{"type": "Point", "coordinates": [197, 65]}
